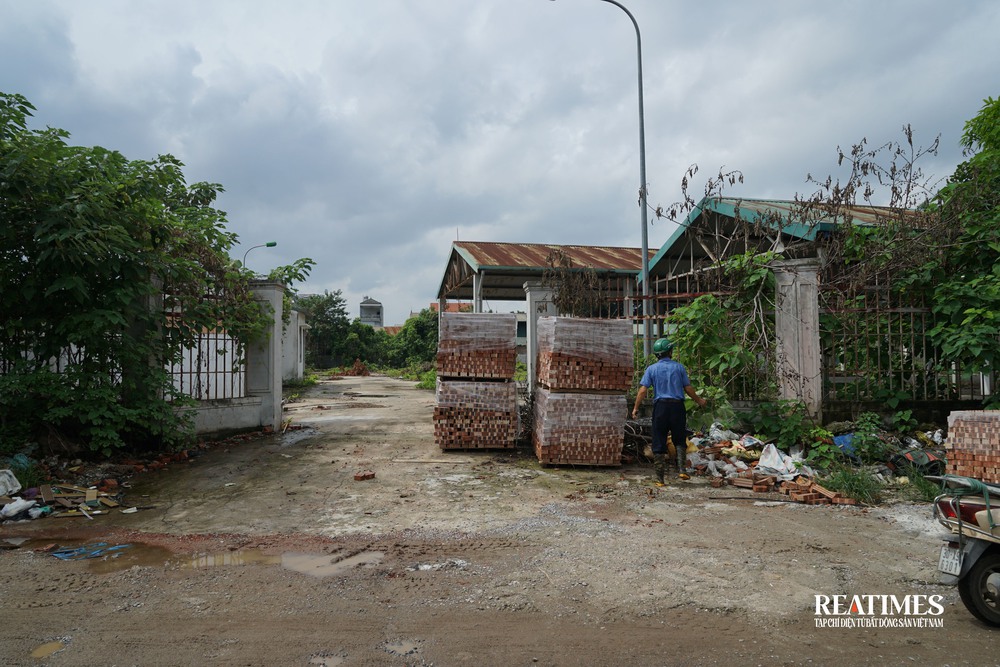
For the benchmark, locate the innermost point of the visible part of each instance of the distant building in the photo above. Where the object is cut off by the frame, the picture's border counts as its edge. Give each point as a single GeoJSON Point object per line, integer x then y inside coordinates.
{"type": "Point", "coordinates": [371, 313]}
{"type": "Point", "coordinates": [451, 307]}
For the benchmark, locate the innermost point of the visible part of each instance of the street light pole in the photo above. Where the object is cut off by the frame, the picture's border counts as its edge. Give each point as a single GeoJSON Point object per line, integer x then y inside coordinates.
{"type": "Point", "coordinates": [269, 244]}
{"type": "Point", "coordinates": [646, 321]}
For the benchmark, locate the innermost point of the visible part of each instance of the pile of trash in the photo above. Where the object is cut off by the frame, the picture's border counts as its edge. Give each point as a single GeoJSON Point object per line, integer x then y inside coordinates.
{"type": "Point", "coordinates": [747, 461]}
{"type": "Point", "coordinates": [54, 499]}
{"type": "Point", "coordinates": [725, 454]}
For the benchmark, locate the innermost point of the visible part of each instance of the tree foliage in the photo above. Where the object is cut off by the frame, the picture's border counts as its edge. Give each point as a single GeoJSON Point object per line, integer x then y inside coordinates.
{"type": "Point", "coordinates": [963, 279]}
{"type": "Point", "coordinates": [921, 245]}
{"type": "Point", "coordinates": [416, 343]}
{"type": "Point", "coordinates": [326, 315]}
{"type": "Point", "coordinates": [334, 340]}
{"type": "Point", "coordinates": [90, 242]}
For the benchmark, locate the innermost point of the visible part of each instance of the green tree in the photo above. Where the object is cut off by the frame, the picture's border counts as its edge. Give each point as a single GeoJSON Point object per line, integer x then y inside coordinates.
{"type": "Point", "coordinates": [89, 244]}
{"type": "Point", "coordinates": [366, 343]}
{"type": "Point", "coordinates": [417, 341]}
{"type": "Point", "coordinates": [326, 315]}
{"type": "Point", "coordinates": [964, 277]}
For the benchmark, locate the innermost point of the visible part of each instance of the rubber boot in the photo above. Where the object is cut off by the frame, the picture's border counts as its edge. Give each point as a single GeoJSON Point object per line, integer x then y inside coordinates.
{"type": "Point", "coordinates": [681, 465]}
{"type": "Point", "coordinates": [659, 467]}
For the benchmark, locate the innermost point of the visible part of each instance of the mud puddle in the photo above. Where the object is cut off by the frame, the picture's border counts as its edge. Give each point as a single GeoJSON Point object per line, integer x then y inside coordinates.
{"type": "Point", "coordinates": [116, 558]}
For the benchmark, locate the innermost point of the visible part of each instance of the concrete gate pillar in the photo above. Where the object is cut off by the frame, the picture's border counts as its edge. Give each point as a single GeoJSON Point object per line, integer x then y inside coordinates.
{"type": "Point", "coordinates": [539, 304]}
{"type": "Point", "coordinates": [797, 331]}
{"type": "Point", "coordinates": [264, 356]}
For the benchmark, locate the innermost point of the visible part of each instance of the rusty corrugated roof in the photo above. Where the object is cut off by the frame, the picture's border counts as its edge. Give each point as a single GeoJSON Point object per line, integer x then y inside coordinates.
{"type": "Point", "coordinates": [491, 255]}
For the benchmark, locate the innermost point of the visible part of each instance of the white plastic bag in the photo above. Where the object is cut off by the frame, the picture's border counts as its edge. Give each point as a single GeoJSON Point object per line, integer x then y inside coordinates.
{"type": "Point", "coordinates": [773, 462]}
{"type": "Point", "coordinates": [15, 507]}
{"type": "Point", "coordinates": [8, 483]}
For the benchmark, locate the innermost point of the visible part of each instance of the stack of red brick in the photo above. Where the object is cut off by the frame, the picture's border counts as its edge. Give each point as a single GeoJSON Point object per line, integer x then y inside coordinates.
{"type": "Point", "coordinates": [479, 346]}
{"type": "Point", "coordinates": [476, 406]}
{"type": "Point", "coordinates": [584, 370]}
{"type": "Point", "coordinates": [973, 445]}
{"type": "Point", "coordinates": [583, 354]}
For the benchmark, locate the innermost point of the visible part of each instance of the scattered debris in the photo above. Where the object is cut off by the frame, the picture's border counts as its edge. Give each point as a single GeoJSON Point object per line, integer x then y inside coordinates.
{"type": "Point", "coordinates": [94, 550]}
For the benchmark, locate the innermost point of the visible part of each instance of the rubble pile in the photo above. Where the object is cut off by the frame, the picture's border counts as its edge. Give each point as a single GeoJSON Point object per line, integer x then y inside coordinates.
{"type": "Point", "coordinates": [584, 369]}
{"type": "Point", "coordinates": [802, 489]}
{"type": "Point", "coordinates": [749, 463]}
{"type": "Point", "coordinates": [972, 449]}
{"type": "Point", "coordinates": [476, 398]}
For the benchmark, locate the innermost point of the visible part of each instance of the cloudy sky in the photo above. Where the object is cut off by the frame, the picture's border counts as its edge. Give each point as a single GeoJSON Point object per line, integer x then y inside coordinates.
{"type": "Point", "coordinates": [370, 134]}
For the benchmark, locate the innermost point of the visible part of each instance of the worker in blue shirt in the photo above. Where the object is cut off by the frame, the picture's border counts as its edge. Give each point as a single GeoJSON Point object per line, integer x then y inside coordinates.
{"type": "Point", "coordinates": [669, 380]}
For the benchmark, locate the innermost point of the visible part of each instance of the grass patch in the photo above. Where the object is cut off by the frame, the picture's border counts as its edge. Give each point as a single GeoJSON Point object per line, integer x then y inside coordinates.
{"type": "Point", "coordinates": [428, 380]}
{"type": "Point", "coordinates": [919, 487]}
{"type": "Point", "coordinates": [28, 475]}
{"type": "Point", "coordinates": [858, 483]}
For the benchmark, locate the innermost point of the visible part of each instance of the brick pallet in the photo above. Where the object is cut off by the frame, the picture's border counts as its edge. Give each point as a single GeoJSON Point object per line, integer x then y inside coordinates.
{"type": "Point", "coordinates": [579, 354]}
{"type": "Point", "coordinates": [578, 429]}
{"type": "Point", "coordinates": [475, 415]}
{"type": "Point", "coordinates": [973, 445]}
{"type": "Point", "coordinates": [477, 346]}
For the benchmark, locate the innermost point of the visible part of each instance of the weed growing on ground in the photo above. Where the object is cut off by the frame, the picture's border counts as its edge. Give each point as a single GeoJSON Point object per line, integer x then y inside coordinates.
{"type": "Point", "coordinates": [858, 483]}
{"type": "Point", "coordinates": [919, 488]}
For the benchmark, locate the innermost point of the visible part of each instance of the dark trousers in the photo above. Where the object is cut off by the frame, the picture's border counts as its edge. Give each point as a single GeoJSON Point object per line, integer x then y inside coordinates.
{"type": "Point", "coordinates": [670, 417]}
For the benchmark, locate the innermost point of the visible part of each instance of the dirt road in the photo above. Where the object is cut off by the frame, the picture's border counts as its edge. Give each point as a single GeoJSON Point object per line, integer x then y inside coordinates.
{"type": "Point", "coordinates": [270, 553]}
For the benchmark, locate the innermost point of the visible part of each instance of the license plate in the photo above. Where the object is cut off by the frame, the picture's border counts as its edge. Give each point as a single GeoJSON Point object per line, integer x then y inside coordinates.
{"type": "Point", "coordinates": [951, 560]}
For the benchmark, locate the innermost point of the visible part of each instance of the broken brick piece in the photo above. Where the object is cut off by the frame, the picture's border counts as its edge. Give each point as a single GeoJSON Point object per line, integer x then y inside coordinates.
{"type": "Point", "coordinates": [363, 475]}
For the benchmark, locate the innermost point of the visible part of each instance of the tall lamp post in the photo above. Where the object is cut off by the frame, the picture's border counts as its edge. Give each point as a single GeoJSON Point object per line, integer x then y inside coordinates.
{"type": "Point", "coordinates": [269, 244]}
{"type": "Point", "coordinates": [646, 334]}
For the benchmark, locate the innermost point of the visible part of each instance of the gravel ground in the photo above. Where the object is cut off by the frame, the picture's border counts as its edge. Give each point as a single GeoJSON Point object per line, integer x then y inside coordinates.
{"type": "Point", "coordinates": [269, 552]}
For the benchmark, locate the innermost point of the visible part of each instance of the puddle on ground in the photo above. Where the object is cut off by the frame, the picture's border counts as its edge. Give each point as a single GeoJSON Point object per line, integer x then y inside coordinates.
{"type": "Point", "coordinates": [147, 555]}
{"type": "Point", "coordinates": [326, 565]}
{"type": "Point", "coordinates": [138, 555]}
{"type": "Point", "coordinates": [290, 438]}
{"type": "Point", "coordinates": [45, 650]}
{"type": "Point", "coordinates": [403, 647]}
{"type": "Point", "coordinates": [314, 565]}
{"type": "Point", "coordinates": [335, 418]}
{"type": "Point", "coordinates": [357, 394]}
{"type": "Point", "coordinates": [230, 559]}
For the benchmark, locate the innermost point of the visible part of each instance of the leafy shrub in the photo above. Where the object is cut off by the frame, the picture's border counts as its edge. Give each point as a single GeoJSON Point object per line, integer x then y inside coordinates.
{"type": "Point", "coordinates": [868, 444]}
{"type": "Point", "coordinates": [428, 380]}
{"type": "Point", "coordinates": [786, 420]}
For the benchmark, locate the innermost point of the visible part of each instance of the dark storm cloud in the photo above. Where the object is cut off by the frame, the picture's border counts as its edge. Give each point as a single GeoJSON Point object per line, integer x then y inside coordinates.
{"type": "Point", "coordinates": [369, 136]}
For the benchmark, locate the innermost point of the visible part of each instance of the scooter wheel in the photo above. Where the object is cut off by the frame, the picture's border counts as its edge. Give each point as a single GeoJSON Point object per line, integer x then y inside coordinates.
{"type": "Point", "coordinates": [980, 589]}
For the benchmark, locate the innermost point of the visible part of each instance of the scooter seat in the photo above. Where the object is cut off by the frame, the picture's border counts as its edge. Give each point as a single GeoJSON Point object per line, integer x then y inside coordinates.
{"type": "Point", "coordinates": [983, 519]}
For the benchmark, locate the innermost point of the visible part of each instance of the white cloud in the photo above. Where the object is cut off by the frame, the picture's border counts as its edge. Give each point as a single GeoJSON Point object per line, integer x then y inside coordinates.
{"type": "Point", "coordinates": [368, 135]}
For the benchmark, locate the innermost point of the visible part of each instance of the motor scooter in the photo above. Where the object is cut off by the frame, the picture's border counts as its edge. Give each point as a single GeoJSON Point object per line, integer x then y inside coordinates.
{"type": "Point", "coordinates": [970, 556]}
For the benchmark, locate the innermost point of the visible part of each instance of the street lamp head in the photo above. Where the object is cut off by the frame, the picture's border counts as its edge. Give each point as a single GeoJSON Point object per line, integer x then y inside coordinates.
{"type": "Point", "coordinates": [269, 244]}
